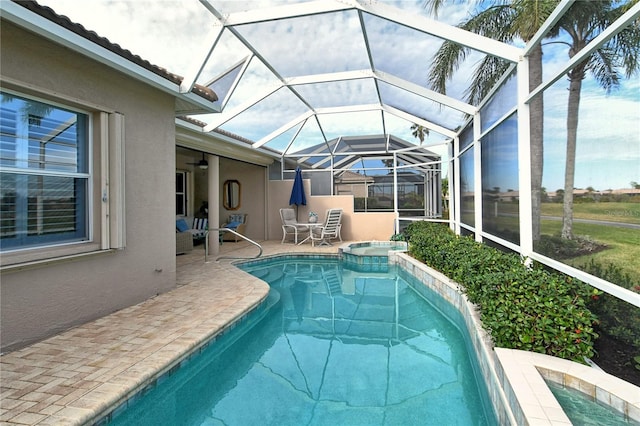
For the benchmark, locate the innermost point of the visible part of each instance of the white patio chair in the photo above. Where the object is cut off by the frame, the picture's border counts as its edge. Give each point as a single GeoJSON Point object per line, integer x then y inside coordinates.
{"type": "Point", "coordinates": [290, 225]}
{"type": "Point", "coordinates": [322, 235]}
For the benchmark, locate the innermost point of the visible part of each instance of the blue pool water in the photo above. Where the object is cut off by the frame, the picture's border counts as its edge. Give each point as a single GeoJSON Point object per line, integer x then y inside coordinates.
{"type": "Point", "coordinates": [330, 346]}
{"type": "Point", "coordinates": [583, 410]}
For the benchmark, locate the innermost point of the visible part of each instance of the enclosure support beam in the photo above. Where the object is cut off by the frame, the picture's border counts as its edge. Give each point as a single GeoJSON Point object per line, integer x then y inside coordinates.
{"type": "Point", "coordinates": [524, 160]}
{"type": "Point", "coordinates": [477, 175]}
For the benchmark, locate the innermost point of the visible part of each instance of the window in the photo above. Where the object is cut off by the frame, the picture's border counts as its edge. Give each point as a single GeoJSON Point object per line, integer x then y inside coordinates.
{"type": "Point", "coordinates": [500, 195]}
{"type": "Point", "coordinates": [181, 193]}
{"type": "Point", "coordinates": [48, 171]}
{"type": "Point", "coordinates": [467, 185]}
{"type": "Point", "coordinates": [44, 160]}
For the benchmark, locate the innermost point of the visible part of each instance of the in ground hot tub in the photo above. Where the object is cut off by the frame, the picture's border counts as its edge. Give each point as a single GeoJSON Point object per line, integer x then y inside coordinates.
{"type": "Point", "coordinates": [372, 256]}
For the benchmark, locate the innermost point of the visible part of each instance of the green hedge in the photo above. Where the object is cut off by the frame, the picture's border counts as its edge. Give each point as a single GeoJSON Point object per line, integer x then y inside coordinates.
{"type": "Point", "coordinates": [522, 308]}
{"type": "Point", "coordinates": [618, 318]}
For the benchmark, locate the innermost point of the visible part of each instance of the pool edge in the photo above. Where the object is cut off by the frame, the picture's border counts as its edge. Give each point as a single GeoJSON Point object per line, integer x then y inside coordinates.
{"type": "Point", "coordinates": [199, 343]}
{"type": "Point", "coordinates": [516, 378]}
{"type": "Point", "coordinates": [480, 340]}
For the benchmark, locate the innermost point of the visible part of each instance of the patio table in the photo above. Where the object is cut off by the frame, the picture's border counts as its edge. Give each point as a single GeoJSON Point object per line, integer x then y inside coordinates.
{"type": "Point", "coordinates": [311, 226]}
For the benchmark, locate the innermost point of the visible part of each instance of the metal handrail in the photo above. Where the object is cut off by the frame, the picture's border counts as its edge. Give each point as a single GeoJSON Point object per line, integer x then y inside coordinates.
{"type": "Point", "coordinates": [206, 244]}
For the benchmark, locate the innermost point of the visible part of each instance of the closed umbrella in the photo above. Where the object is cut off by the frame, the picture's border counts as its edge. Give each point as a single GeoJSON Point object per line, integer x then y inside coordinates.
{"type": "Point", "coordinates": [297, 192]}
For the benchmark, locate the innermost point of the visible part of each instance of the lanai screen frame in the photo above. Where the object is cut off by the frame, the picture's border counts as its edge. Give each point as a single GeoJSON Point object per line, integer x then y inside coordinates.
{"type": "Point", "coordinates": [518, 57]}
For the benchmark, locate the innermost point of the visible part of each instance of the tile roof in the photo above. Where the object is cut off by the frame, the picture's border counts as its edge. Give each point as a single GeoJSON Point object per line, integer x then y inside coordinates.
{"type": "Point", "coordinates": [65, 22]}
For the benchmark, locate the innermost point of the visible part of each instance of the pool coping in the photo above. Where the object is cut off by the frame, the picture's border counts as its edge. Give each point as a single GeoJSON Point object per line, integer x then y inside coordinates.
{"type": "Point", "coordinates": [516, 379]}
{"type": "Point", "coordinates": [527, 373]}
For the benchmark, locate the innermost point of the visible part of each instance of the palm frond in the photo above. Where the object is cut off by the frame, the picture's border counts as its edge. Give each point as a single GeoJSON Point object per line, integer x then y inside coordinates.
{"type": "Point", "coordinates": [584, 22]}
{"type": "Point", "coordinates": [503, 21]}
{"type": "Point", "coordinates": [433, 6]}
{"type": "Point", "coordinates": [530, 15]}
{"type": "Point", "coordinates": [445, 62]}
{"type": "Point", "coordinates": [491, 23]}
{"type": "Point", "coordinates": [486, 75]}
{"type": "Point", "coordinates": [602, 65]}
{"type": "Point", "coordinates": [626, 44]}
{"type": "Point", "coordinates": [495, 22]}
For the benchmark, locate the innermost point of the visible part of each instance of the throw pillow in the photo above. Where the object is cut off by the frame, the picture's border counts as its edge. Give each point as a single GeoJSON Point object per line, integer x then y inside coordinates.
{"type": "Point", "coordinates": [181, 225]}
{"type": "Point", "coordinates": [235, 218]}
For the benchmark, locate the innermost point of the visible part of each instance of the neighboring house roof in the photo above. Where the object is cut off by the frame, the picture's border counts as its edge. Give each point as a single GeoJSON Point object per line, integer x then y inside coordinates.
{"type": "Point", "coordinates": [63, 21]}
{"type": "Point", "coordinates": [351, 177]}
{"type": "Point", "coordinates": [620, 191]}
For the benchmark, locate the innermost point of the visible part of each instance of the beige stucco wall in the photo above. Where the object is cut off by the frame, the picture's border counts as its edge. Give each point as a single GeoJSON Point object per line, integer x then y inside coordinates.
{"type": "Point", "coordinates": [355, 226]}
{"type": "Point", "coordinates": [253, 198]}
{"type": "Point", "coordinates": [39, 302]}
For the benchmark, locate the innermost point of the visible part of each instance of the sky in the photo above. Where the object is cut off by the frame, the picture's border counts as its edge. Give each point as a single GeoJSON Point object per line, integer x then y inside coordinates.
{"type": "Point", "coordinates": [172, 33]}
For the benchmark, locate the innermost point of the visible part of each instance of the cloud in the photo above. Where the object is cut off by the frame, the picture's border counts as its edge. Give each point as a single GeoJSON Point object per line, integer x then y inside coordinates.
{"type": "Point", "coordinates": [175, 34]}
{"type": "Point", "coordinates": [170, 34]}
{"type": "Point", "coordinates": [608, 139]}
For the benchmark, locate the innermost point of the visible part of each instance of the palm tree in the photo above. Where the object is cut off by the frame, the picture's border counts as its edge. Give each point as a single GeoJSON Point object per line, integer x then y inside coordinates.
{"type": "Point", "coordinates": [419, 132]}
{"type": "Point", "coordinates": [31, 112]}
{"type": "Point", "coordinates": [505, 21]}
{"type": "Point", "coordinates": [445, 194]}
{"type": "Point", "coordinates": [583, 22]}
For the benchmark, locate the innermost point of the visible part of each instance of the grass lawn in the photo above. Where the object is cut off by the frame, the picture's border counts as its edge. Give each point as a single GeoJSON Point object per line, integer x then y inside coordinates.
{"type": "Point", "coordinates": [623, 244]}
{"type": "Point", "coordinates": [610, 212]}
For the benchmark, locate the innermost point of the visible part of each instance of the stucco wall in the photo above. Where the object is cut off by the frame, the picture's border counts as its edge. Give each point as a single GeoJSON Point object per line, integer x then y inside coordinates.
{"type": "Point", "coordinates": [38, 302]}
{"type": "Point", "coordinates": [252, 180]}
{"type": "Point", "coordinates": [355, 226]}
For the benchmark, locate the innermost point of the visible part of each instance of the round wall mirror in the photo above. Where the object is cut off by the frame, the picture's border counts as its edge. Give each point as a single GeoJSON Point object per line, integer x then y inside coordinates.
{"type": "Point", "coordinates": [231, 194]}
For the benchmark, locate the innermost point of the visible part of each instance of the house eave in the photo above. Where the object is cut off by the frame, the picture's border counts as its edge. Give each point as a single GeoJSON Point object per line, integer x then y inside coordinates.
{"type": "Point", "coordinates": [190, 135]}
{"type": "Point", "coordinates": [185, 102]}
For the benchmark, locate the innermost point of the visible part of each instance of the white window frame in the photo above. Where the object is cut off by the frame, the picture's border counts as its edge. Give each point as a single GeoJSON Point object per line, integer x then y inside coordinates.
{"type": "Point", "coordinates": [105, 212]}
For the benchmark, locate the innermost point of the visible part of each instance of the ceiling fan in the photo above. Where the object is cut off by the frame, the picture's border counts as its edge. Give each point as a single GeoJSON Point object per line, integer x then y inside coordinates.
{"type": "Point", "coordinates": [203, 164]}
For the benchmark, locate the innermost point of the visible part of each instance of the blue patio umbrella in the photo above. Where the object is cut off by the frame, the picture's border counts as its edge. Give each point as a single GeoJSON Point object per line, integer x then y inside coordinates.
{"type": "Point", "coordinates": [297, 192]}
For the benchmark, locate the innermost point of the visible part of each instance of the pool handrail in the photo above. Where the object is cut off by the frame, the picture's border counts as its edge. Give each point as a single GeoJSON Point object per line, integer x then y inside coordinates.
{"type": "Point", "coordinates": [206, 244]}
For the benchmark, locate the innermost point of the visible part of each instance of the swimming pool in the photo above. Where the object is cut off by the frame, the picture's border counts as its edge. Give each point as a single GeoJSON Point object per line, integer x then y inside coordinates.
{"type": "Point", "coordinates": [329, 346]}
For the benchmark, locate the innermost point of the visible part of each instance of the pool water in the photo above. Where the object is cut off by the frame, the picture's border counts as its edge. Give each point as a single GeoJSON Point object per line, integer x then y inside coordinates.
{"type": "Point", "coordinates": [583, 410]}
{"type": "Point", "coordinates": [330, 346]}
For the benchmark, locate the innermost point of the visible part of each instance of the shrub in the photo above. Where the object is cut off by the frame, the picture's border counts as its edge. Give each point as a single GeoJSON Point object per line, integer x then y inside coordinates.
{"type": "Point", "coordinates": [559, 248]}
{"type": "Point", "coordinates": [397, 237]}
{"type": "Point", "coordinates": [522, 308]}
{"type": "Point", "coordinates": [617, 318]}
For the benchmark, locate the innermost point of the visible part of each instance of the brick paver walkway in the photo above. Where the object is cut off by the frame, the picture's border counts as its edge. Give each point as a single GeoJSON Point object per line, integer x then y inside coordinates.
{"type": "Point", "coordinates": [79, 375]}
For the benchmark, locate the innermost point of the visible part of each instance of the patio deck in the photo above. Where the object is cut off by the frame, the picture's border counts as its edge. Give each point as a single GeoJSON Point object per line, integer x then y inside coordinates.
{"type": "Point", "coordinates": [75, 377]}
